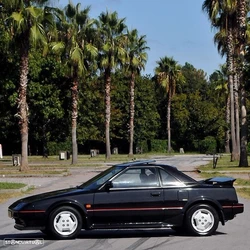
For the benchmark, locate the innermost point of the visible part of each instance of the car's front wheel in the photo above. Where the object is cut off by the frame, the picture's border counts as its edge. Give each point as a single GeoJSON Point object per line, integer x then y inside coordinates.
{"type": "Point", "coordinates": [65, 222]}
{"type": "Point", "coordinates": [202, 219]}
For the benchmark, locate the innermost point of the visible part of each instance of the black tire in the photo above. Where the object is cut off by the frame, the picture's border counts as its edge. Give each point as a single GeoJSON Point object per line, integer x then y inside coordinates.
{"type": "Point", "coordinates": [202, 219]}
{"type": "Point", "coordinates": [65, 223]}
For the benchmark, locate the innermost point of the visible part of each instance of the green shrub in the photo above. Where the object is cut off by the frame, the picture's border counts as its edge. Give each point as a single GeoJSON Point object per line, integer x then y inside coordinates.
{"type": "Point", "coordinates": [157, 146]}
{"type": "Point", "coordinates": [142, 147]}
{"type": "Point", "coordinates": [208, 145]}
{"type": "Point", "coordinates": [55, 147]}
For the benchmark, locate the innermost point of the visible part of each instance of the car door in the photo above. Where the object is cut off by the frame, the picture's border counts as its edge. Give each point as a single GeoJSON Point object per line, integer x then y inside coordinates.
{"type": "Point", "coordinates": [130, 199]}
{"type": "Point", "coordinates": [175, 197]}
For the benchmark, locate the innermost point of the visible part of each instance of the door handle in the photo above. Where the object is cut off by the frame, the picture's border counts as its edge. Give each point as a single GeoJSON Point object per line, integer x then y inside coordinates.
{"type": "Point", "coordinates": [156, 194]}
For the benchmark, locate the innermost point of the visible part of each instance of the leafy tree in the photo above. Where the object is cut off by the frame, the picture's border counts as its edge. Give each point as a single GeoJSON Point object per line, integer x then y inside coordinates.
{"type": "Point", "coordinates": [195, 80]}
{"type": "Point", "coordinates": [220, 81]}
{"type": "Point", "coordinates": [195, 118]}
{"type": "Point", "coordinates": [147, 119]}
{"type": "Point", "coordinates": [9, 137]}
{"type": "Point", "coordinates": [91, 106]}
{"type": "Point", "coordinates": [45, 96]}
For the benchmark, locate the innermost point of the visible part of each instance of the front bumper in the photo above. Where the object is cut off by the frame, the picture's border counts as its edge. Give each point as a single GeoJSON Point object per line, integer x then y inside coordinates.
{"type": "Point", "coordinates": [28, 220]}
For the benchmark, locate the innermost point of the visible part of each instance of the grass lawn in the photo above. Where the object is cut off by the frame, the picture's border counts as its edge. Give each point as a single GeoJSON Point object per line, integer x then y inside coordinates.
{"type": "Point", "coordinates": [11, 185]}
{"type": "Point", "coordinates": [14, 192]}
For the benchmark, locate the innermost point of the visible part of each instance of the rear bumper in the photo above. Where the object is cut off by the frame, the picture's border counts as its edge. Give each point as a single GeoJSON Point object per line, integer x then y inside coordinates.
{"type": "Point", "coordinates": [238, 208]}
{"type": "Point", "coordinates": [230, 211]}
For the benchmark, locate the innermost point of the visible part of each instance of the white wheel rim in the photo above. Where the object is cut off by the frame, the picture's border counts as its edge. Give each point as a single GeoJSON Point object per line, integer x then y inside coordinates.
{"type": "Point", "coordinates": [202, 220]}
{"type": "Point", "coordinates": [65, 223]}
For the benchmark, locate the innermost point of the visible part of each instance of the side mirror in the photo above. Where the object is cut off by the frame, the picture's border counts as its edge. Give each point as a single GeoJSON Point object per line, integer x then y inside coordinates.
{"type": "Point", "coordinates": [108, 185]}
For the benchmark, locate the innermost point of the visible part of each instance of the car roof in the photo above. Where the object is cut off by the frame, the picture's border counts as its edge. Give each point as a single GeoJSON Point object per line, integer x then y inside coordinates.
{"type": "Point", "coordinates": [151, 162]}
{"type": "Point", "coordinates": [135, 163]}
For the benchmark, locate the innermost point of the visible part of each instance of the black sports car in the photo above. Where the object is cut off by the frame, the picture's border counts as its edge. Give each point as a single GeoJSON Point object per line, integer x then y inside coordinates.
{"type": "Point", "coordinates": [139, 194]}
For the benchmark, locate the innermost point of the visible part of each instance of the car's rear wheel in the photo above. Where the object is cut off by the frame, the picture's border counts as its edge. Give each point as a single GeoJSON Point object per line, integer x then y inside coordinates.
{"type": "Point", "coordinates": [202, 219]}
{"type": "Point", "coordinates": [65, 222]}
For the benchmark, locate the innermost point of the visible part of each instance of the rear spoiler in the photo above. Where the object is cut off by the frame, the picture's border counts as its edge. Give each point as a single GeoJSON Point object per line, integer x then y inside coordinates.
{"type": "Point", "coordinates": [221, 181]}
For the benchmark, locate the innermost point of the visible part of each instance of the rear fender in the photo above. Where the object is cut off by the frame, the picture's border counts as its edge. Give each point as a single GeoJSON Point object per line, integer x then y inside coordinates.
{"type": "Point", "coordinates": [217, 206]}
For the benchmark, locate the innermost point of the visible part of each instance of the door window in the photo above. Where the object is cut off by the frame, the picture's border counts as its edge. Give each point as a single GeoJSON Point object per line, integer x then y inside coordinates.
{"type": "Point", "coordinates": [137, 177]}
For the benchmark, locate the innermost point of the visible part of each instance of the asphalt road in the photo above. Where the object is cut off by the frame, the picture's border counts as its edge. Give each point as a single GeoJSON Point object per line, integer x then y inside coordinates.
{"type": "Point", "coordinates": [233, 236]}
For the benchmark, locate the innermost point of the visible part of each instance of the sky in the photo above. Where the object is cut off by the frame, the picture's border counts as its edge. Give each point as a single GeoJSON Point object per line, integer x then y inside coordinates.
{"type": "Point", "coordinates": [173, 28]}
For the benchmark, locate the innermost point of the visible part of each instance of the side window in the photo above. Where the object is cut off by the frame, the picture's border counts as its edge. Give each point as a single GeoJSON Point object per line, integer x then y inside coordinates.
{"type": "Point", "coordinates": [137, 177]}
{"type": "Point", "coordinates": [169, 180]}
{"type": "Point", "coordinates": [130, 178]}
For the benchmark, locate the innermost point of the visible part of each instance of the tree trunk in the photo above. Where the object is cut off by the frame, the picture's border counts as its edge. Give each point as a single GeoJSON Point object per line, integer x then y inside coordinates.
{"type": "Point", "coordinates": [23, 106]}
{"type": "Point", "coordinates": [168, 122]}
{"type": "Point", "coordinates": [237, 112]}
{"type": "Point", "coordinates": [242, 26]}
{"type": "Point", "coordinates": [107, 112]}
{"type": "Point", "coordinates": [243, 146]}
{"type": "Point", "coordinates": [132, 114]}
{"type": "Point", "coordinates": [74, 95]}
{"type": "Point", "coordinates": [227, 133]}
{"type": "Point", "coordinates": [230, 53]}
{"type": "Point", "coordinates": [45, 144]}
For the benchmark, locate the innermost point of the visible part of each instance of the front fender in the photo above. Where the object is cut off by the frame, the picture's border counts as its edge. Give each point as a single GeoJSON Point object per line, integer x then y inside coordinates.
{"type": "Point", "coordinates": [73, 203]}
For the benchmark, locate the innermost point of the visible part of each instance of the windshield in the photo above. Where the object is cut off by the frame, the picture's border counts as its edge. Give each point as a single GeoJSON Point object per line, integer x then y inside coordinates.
{"type": "Point", "coordinates": [101, 178]}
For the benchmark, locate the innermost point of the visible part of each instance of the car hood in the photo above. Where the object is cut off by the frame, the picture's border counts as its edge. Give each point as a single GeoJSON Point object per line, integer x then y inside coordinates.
{"type": "Point", "coordinates": [53, 194]}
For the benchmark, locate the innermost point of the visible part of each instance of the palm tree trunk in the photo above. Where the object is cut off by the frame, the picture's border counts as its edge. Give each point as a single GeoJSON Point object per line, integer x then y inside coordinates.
{"type": "Point", "coordinates": [242, 23]}
{"type": "Point", "coordinates": [132, 114]}
{"type": "Point", "coordinates": [227, 133]}
{"type": "Point", "coordinates": [230, 53]}
{"type": "Point", "coordinates": [237, 117]}
{"type": "Point", "coordinates": [168, 122]}
{"type": "Point", "coordinates": [243, 146]}
{"type": "Point", "coordinates": [107, 112]}
{"type": "Point", "coordinates": [74, 94]}
{"type": "Point", "coordinates": [23, 106]}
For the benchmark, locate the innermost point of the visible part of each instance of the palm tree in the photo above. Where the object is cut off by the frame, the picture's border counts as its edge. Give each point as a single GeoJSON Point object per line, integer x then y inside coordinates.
{"type": "Point", "coordinates": [26, 26]}
{"type": "Point", "coordinates": [168, 73]}
{"type": "Point", "coordinates": [74, 40]}
{"type": "Point", "coordinates": [222, 14]}
{"type": "Point", "coordinates": [137, 57]}
{"type": "Point", "coordinates": [112, 54]}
